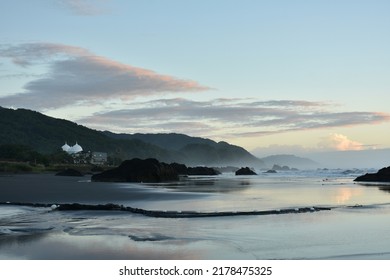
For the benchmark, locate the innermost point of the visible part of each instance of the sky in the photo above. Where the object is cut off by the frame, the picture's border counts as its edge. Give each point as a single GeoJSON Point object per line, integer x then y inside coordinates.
{"type": "Point", "coordinates": [280, 76]}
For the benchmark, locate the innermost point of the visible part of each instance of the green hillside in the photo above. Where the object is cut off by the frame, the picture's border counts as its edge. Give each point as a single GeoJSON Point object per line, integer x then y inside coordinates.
{"type": "Point", "coordinates": [46, 135]}
{"type": "Point", "coordinates": [169, 141]}
{"type": "Point", "coordinates": [196, 150]}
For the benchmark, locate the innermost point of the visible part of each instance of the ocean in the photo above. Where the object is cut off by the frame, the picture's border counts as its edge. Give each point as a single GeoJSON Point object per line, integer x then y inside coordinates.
{"type": "Point", "coordinates": [347, 220]}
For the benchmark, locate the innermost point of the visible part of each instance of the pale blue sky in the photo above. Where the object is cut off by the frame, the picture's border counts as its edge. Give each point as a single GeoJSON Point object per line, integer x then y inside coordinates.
{"type": "Point", "coordinates": [84, 60]}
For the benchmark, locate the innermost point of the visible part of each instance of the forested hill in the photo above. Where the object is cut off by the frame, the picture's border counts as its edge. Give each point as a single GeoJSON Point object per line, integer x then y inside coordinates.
{"type": "Point", "coordinates": [170, 141]}
{"type": "Point", "coordinates": [46, 135]}
{"type": "Point", "coordinates": [196, 150]}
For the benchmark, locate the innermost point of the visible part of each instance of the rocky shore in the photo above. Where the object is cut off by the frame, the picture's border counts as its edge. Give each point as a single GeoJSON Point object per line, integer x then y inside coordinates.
{"type": "Point", "coordinates": [150, 171]}
{"type": "Point", "coordinates": [383, 175]}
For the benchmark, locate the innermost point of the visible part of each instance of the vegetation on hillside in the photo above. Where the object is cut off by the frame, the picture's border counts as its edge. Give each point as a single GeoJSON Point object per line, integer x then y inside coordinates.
{"type": "Point", "coordinates": [40, 137]}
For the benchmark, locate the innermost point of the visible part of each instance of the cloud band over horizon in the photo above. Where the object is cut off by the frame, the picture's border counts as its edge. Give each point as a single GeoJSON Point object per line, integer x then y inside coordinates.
{"type": "Point", "coordinates": [229, 117]}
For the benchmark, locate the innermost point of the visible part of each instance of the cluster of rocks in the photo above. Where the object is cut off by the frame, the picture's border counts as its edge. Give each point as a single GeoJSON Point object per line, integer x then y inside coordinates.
{"type": "Point", "coordinates": [149, 171]}
{"type": "Point", "coordinates": [152, 171]}
{"type": "Point", "coordinates": [138, 170]}
{"type": "Point", "coordinates": [278, 167]}
{"type": "Point", "coordinates": [182, 169]}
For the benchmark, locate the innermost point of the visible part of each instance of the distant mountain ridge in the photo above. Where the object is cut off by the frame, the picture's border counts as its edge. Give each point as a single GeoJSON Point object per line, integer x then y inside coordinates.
{"type": "Point", "coordinates": [290, 161]}
{"type": "Point", "coordinates": [196, 150]}
{"type": "Point", "coordinates": [46, 135]}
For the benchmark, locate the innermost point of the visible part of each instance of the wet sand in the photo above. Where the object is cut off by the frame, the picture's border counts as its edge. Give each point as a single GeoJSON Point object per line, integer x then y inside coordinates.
{"type": "Point", "coordinates": [48, 188]}
{"type": "Point", "coordinates": [342, 233]}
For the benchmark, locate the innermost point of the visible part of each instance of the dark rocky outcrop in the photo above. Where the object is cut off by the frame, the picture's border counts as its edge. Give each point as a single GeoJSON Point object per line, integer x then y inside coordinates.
{"type": "Point", "coordinates": [70, 172]}
{"type": "Point", "coordinates": [139, 170]}
{"type": "Point", "coordinates": [383, 175]}
{"type": "Point", "coordinates": [245, 171]}
{"type": "Point", "coordinates": [181, 169]}
{"type": "Point", "coordinates": [201, 170]}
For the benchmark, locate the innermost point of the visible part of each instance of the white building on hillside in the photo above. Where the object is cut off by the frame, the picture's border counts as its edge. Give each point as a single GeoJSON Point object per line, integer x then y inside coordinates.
{"type": "Point", "coordinates": [72, 149]}
{"type": "Point", "coordinates": [81, 157]}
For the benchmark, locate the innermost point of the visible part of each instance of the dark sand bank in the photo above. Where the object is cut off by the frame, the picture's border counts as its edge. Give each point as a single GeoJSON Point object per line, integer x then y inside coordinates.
{"type": "Point", "coordinates": [48, 188]}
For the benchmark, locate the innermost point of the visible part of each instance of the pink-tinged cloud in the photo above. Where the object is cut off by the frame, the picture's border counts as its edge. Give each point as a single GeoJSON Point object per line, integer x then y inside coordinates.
{"type": "Point", "coordinates": [336, 141]}
{"type": "Point", "coordinates": [77, 76]}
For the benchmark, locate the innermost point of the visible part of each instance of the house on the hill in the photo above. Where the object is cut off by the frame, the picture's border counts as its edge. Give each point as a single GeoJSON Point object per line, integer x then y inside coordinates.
{"type": "Point", "coordinates": [98, 158]}
{"type": "Point", "coordinates": [82, 157]}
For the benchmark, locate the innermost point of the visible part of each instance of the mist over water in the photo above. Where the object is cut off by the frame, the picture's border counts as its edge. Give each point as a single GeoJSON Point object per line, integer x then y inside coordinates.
{"type": "Point", "coordinates": [355, 228]}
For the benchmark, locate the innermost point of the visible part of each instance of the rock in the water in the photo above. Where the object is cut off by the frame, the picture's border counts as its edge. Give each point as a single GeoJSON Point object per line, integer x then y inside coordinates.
{"type": "Point", "coordinates": [201, 170]}
{"type": "Point", "coordinates": [198, 170]}
{"type": "Point", "coordinates": [139, 170]}
{"type": "Point", "coordinates": [245, 171]}
{"type": "Point", "coordinates": [383, 175]}
{"type": "Point", "coordinates": [70, 172]}
{"type": "Point", "coordinates": [271, 171]}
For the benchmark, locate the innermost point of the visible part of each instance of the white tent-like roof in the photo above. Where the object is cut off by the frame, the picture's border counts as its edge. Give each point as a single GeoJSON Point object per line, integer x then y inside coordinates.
{"type": "Point", "coordinates": [72, 149]}
{"type": "Point", "coordinates": [65, 147]}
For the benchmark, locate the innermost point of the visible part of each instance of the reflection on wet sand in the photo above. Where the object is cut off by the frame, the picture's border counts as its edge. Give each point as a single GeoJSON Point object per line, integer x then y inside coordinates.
{"type": "Point", "coordinates": [62, 246]}
{"type": "Point", "coordinates": [381, 186]}
{"type": "Point", "coordinates": [206, 185]}
{"type": "Point", "coordinates": [21, 239]}
{"type": "Point", "coordinates": [301, 233]}
{"type": "Point", "coordinates": [344, 195]}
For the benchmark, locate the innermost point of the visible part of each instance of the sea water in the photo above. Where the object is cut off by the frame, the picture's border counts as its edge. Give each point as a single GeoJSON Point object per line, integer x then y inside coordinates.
{"type": "Point", "coordinates": [356, 227]}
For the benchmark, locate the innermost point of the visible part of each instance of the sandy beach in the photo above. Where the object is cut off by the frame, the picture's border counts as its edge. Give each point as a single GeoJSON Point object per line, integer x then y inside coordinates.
{"type": "Point", "coordinates": [48, 188]}
{"type": "Point", "coordinates": [355, 228]}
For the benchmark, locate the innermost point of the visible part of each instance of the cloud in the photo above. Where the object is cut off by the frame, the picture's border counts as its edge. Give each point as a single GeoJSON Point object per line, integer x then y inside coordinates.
{"type": "Point", "coordinates": [341, 142]}
{"type": "Point", "coordinates": [84, 7]}
{"type": "Point", "coordinates": [229, 118]}
{"type": "Point", "coordinates": [34, 53]}
{"type": "Point", "coordinates": [77, 76]}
